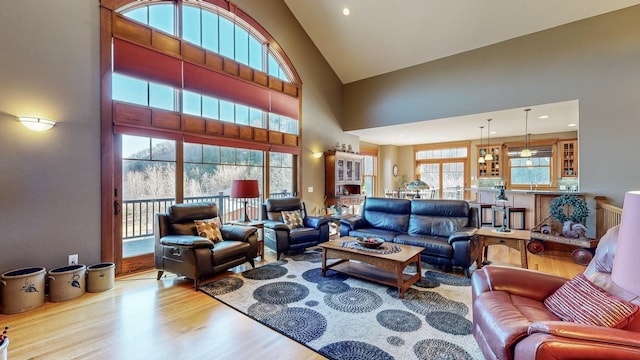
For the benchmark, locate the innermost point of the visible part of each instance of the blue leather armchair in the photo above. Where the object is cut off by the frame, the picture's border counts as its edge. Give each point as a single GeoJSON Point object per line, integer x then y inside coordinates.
{"type": "Point", "coordinates": [280, 238]}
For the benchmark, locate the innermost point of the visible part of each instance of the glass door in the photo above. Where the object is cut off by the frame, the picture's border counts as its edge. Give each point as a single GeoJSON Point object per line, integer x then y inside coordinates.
{"type": "Point", "coordinates": [148, 186]}
{"type": "Point", "coordinates": [445, 178]}
{"type": "Point", "coordinates": [430, 173]}
{"type": "Point", "coordinates": [453, 180]}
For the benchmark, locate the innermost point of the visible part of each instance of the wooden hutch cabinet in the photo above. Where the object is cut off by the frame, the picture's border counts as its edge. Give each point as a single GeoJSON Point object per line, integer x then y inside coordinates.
{"type": "Point", "coordinates": [343, 178]}
{"type": "Point", "coordinates": [568, 158]}
{"type": "Point", "coordinates": [490, 168]}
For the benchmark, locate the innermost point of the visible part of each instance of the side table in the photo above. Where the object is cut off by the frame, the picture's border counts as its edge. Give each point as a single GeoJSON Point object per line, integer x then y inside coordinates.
{"type": "Point", "coordinates": [256, 224]}
{"type": "Point", "coordinates": [335, 219]}
{"type": "Point", "coordinates": [515, 239]}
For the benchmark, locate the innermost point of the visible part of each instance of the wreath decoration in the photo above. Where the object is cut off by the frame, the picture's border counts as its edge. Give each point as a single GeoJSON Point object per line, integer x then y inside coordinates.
{"type": "Point", "coordinates": [579, 212]}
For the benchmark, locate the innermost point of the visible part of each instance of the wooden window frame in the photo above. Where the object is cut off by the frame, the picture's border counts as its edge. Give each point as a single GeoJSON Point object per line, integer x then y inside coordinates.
{"type": "Point", "coordinates": [553, 167]}
{"type": "Point", "coordinates": [117, 117]}
{"type": "Point", "coordinates": [446, 145]}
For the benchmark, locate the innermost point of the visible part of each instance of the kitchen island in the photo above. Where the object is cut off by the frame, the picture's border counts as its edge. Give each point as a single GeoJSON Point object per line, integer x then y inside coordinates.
{"type": "Point", "coordinates": [535, 202]}
{"type": "Point", "coordinates": [537, 205]}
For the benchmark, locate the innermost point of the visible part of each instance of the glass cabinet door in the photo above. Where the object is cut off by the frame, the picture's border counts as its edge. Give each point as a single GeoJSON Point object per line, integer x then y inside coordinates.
{"type": "Point", "coordinates": [349, 170]}
{"type": "Point", "coordinates": [339, 170]}
{"type": "Point", "coordinates": [356, 171]}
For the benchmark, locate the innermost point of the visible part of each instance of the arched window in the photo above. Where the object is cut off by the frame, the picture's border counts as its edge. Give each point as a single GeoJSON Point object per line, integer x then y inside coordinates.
{"type": "Point", "coordinates": [208, 28]}
{"type": "Point", "coordinates": [209, 81]}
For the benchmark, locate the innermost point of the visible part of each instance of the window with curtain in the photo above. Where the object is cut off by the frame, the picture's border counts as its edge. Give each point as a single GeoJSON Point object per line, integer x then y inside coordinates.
{"type": "Point", "coordinates": [182, 64]}
{"type": "Point", "coordinates": [213, 82]}
{"type": "Point", "coordinates": [212, 31]}
{"type": "Point", "coordinates": [159, 80]}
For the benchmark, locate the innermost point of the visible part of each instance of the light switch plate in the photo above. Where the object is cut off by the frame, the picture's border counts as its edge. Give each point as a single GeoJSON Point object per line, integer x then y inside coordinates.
{"type": "Point", "coordinates": [310, 189]}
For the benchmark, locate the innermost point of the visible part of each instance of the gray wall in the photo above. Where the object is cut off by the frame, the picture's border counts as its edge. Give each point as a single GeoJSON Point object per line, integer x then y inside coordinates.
{"type": "Point", "coordinates": [49, 181]}
{"type": "Point", "coordinates": [596, 61]}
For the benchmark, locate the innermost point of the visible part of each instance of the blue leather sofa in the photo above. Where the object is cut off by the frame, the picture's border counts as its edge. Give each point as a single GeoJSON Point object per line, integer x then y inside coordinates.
{"type": "Point", "coordinates": [444, 228]}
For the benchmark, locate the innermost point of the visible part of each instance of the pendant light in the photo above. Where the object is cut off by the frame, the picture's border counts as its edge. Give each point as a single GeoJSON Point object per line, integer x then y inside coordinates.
{"type": "Point", "coordinates": [526, 152]}
{"type": "Point", "coordinates": [489, 156]}
{"type": "Point", "coordinates": [480, 157]}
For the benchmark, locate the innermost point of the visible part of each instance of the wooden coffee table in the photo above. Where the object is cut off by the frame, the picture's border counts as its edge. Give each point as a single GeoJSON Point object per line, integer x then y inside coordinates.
{"type": "Point", "coordinates": [515, 239]}
{"type": "Point", "coordinates": [385, 269]}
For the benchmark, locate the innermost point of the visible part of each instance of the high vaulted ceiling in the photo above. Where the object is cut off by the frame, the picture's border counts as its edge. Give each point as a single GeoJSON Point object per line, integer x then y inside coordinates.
{"type": "Point", "coordinates": [381, 36]}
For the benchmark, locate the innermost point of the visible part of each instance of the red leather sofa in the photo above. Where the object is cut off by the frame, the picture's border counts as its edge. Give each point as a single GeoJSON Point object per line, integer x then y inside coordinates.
{"type": "Point", "coordinates": [510, 320]}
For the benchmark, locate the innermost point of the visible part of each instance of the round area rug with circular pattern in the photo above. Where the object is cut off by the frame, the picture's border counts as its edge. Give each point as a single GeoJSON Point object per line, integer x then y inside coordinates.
{"type": "Point", "coordinates": [342, 317]}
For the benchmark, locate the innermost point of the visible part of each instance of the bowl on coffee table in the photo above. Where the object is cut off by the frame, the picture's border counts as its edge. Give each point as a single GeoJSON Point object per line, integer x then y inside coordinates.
{"type": "Point", "coordinates": [370, 242]}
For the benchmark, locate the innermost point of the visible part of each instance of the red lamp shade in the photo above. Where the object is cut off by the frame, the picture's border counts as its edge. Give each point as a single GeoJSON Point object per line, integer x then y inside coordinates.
{"type": "Point", "coordinates": [625, 262]}
{"type": "Point", "coordinates": [245, 189]}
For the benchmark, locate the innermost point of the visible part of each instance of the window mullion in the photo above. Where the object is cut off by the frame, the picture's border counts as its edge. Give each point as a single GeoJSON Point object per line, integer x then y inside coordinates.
{"type": "Point", "coordinates": [177, 18]}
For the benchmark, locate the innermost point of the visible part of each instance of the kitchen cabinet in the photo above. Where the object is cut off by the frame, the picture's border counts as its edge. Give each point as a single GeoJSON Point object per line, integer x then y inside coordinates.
{"type": "Point", "coordinates": [491, 168]}
{"type": "Point", "coordinates": [568, 158]}
{"type": "Point", "coordinates": [343, 179]}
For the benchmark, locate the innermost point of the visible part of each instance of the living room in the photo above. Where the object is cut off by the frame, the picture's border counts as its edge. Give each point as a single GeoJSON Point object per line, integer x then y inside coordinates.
{"type": "Point", "coordinates": [50, 67]}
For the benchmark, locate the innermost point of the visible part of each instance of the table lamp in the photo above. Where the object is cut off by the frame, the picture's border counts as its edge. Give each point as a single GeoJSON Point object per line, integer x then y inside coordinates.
{"type": "Point", "coordinates": [417, 185]}
{"type": "Point", "coordinates": [245, 189]}
{"type": "Point", "coordinates": [625, 261]}
{"type": "Point", "coordinates": [503, 198]}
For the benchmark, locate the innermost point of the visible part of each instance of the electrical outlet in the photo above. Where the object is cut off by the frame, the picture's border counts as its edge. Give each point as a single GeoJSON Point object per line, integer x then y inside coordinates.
{"type": "Point", "coordinates": [73, 259]}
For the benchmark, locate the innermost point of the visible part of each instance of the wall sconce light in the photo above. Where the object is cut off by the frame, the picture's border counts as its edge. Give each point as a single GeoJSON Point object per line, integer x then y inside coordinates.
{"type": "Point", "coordinates": [36, 124]}
{"type": "Point", "coordinates": [317, 154]}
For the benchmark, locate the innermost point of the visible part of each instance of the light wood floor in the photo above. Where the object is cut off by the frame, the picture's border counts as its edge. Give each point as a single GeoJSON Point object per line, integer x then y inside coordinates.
{"type": "Point", "coordinates": [142, 318]}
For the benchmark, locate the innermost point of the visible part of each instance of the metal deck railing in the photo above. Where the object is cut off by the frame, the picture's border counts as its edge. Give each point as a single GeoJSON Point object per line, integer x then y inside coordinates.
{"type": "Point", "coordinates": [137, 217]}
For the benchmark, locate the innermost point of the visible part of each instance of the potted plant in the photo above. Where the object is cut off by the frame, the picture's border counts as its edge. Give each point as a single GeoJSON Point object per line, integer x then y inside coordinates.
{"type": "Point", "coordinates": [4, 343]}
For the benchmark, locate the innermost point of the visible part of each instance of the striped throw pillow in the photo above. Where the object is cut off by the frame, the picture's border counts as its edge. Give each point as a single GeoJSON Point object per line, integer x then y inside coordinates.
{"type": "Point", "coordinates": [580, 301]}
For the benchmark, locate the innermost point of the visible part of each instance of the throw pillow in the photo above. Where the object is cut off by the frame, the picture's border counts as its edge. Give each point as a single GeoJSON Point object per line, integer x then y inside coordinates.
{"type": "Point", "coordinates": [217, 221]}
{"type": "Point", "coordinates": [580, 301]}
{"type": "Point", "coordinates": [293, 219]}
{"type": "Point", "coordinates": [209, 229]}
{"type": "Point", "coordinates": [603, 260]}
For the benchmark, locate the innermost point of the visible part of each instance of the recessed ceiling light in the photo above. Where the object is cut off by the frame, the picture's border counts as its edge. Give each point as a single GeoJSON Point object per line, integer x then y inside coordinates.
{"type": "Point", "coordinates": [572, 125]}
{"type": "Point", "coordinates": [346, 11]}
{"type": "Point", "coordinates": [493, 132]}
{"type": "Point", "coordinates": [543, 117]}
